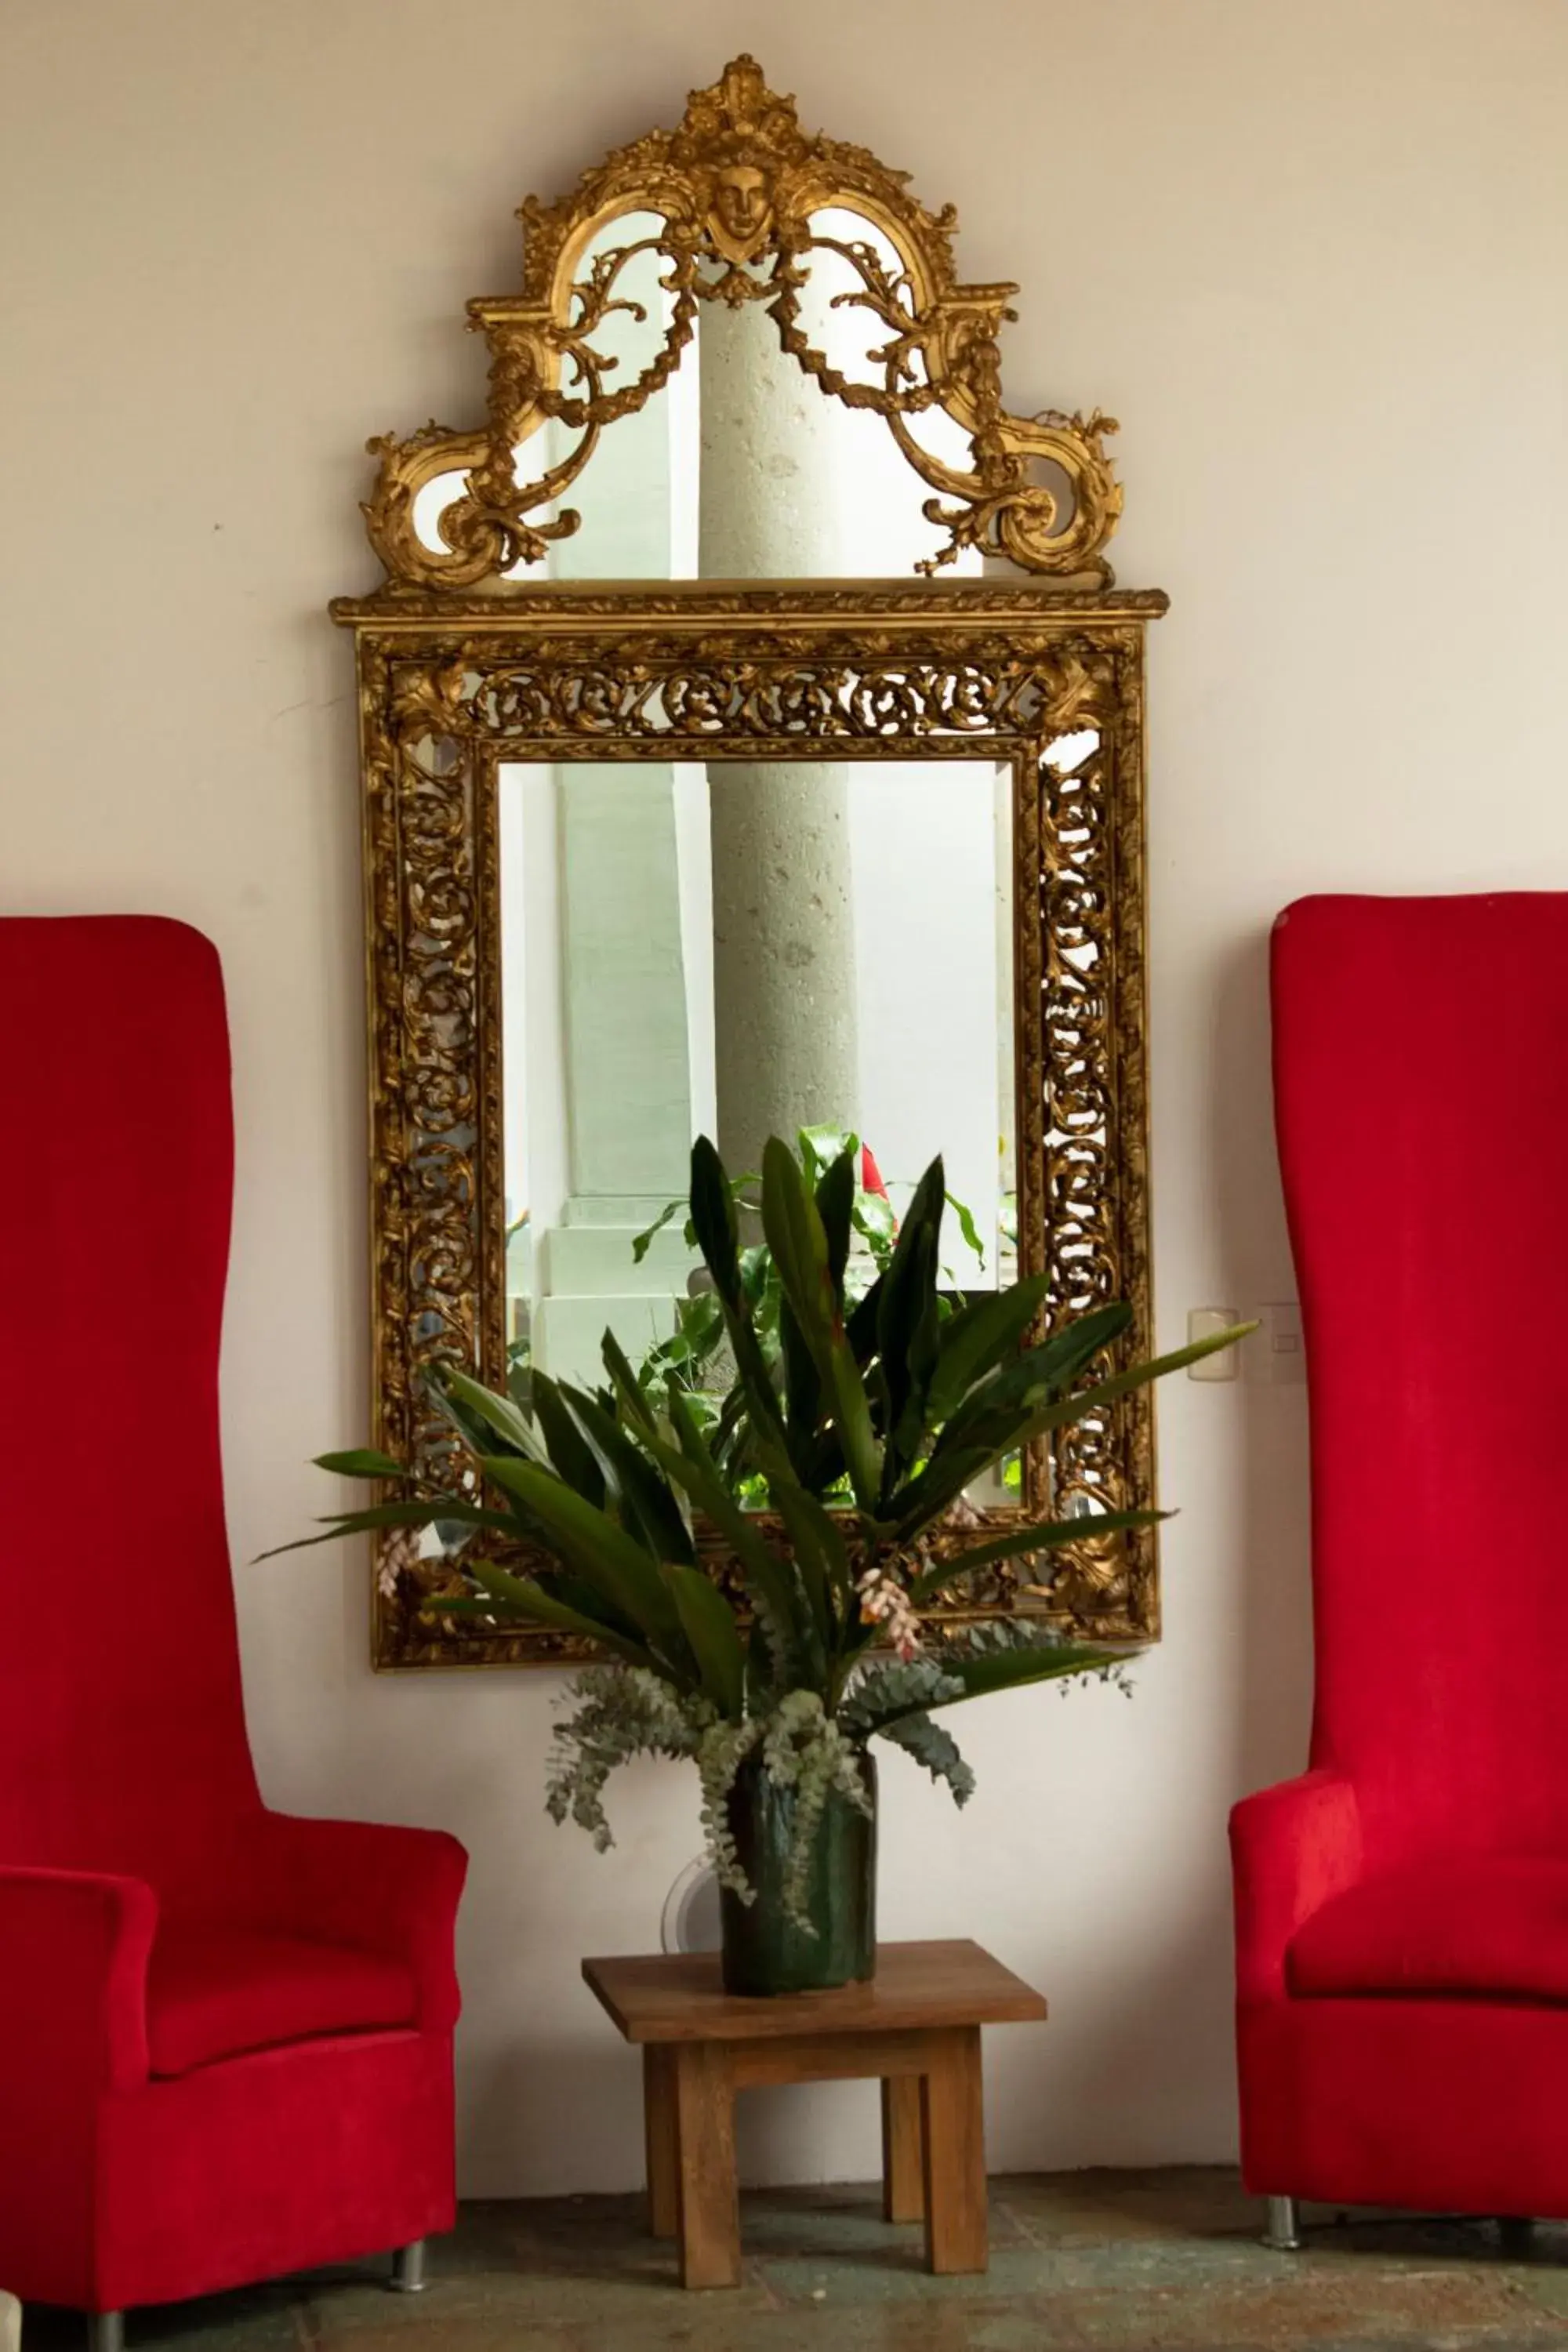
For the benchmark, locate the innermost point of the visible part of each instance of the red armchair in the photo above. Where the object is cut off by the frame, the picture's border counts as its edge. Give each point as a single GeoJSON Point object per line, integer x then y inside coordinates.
{"type": "Point", "coordinates": [1402, 1910]}
{"type": "Point", "coordinates": [225, 2036]}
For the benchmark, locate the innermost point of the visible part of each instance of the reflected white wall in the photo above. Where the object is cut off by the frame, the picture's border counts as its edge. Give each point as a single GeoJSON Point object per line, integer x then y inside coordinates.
{"type": "Point", "coordinates": [532, 1006]}
{"type": "Point", "coordinates": [924, 843]}
{"type": "Point", "coordinates": [694, 851]}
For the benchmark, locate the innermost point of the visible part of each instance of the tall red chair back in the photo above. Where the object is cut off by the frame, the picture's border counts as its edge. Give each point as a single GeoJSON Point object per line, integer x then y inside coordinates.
{"type": "Point", "coordinates": [122, 1740]}
{"type": "Point", "coordinates": [1421, 1075]}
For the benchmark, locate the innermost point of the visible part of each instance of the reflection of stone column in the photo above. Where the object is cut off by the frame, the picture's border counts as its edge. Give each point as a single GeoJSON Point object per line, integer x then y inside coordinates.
{"type": "Point", "coordinates": [783, 930]}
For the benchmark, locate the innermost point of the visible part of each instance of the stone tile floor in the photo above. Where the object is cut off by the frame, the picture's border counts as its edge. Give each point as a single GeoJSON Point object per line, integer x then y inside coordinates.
{"type": "Point", "coordinates": [1117, 2260]}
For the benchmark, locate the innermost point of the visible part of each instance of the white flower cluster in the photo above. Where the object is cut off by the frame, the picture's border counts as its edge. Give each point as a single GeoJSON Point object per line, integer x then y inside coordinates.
{"type": "Point", "coordinates": [885, 1601]}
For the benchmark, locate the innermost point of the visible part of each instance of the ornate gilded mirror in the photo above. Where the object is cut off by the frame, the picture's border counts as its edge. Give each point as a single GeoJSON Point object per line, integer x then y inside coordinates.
{"type": "Point", "coordinates": [752, 740]}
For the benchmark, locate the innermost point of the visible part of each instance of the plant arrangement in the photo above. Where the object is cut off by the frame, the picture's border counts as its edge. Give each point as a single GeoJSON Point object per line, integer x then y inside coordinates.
{"type": "Point", "coordinates": [697, 1352]}
{"type": "Point", "coordinates": [867, 1417]}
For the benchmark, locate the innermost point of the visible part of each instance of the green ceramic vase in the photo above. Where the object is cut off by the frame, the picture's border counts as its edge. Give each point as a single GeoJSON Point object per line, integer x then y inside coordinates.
{"type": "Point", "coordinates": [765, 1952]}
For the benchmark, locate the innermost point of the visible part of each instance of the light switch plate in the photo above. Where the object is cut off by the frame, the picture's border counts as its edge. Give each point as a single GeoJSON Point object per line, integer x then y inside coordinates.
{"type": "Point", "coordinates": [1203, 1322]}
{"type": "Point", "coordinates": [1279, 1342]}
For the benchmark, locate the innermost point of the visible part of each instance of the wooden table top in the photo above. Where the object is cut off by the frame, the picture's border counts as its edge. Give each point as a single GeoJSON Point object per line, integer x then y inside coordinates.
{"type": "Point", "coordinates": [679, 1997]}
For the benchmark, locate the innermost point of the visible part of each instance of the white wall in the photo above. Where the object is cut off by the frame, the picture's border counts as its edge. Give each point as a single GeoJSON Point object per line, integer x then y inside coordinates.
{"type": "Point", "coordinates": [1314, 257]}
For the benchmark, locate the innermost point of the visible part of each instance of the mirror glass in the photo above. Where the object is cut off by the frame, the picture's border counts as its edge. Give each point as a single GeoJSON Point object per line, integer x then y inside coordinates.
{"type": "Point", "coordinates": [738, 950]}
{"type": "Point", "coordinates": [740, 467]}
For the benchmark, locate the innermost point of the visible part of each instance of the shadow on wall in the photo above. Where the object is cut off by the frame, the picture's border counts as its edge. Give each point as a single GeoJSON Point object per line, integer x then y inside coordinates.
{"type": "Point", "coordinates": [1273, 1653]}
{"type": "Point", "coordinates": [1271, 1658]}
{"type": "Point", "coordinates": [1248, 1662]}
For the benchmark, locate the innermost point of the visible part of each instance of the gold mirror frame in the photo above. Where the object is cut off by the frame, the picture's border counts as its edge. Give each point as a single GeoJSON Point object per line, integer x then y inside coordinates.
{"type": "Point", "coordinates": [461, 672]}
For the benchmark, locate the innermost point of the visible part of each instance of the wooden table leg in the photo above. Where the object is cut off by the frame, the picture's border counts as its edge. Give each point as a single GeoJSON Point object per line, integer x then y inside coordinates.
{"type": "Point", "coordinates": [658, 2134]}
{"type": "Point", "coordinates": [705, 2156]}
{"type": "Point", "coordinates": [903, 2158]}
{"type": "Point", "coordinates": [953, 2108]}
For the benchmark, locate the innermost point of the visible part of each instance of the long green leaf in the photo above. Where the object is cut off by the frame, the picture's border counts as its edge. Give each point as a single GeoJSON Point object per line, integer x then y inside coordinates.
{"type": "Point", "coordinates": [362, 1461]}
{"type": "Point", "coordinates": [1072, 1408]}
{"type": "Point", "coordinates": [767, 1432]}
{"type": "Point", "coordinates": [909, 1288]}
{"type": "Point", "coordinates": [820, 1557]}
{"type": "Point", "coordinates": [836, 1207]}
{"type": "Point", "coordinates": [772, 1588]}
{"type": "Point", "coordinates": [714, 1220]}
{"type": "Point", "coordinates": [955, 1464]}
{"type": "Point", "coordinates": [497, 1414]}
{"type": "Point", "coordinates": [710, 1629]}
{"type": "Point", "coordinates": [628, 1389]}
{"type": "Point", "coordinates": [909, 1359]}
{"type": "Point", "coordinates": [933, 1489]}
{"type": "Point", "coordinates": [518, 1596]}
{"type": "Point", "coordinates": [852, 1411]}
{"type": "Point", "coordinates": [986, 1332]}
{"type": "Point", "coordinates": [421, 1513]}
{"type": "Point", "coordinates": [648, 1506]}
{"type": "Point", "coordinates": [714, 1215]}
{"type": "Point", "coordinates": [1029, 1377]}
{"type": "Point", "coordinates": [570, 1452]}
{"type": "Point", "coordinates": [799, 1244]}
{"type": "Point", "coordinates": [803, 1391]}
{"type": "Point", "coordinates": [591, 1543]}
{"type": "Point", "coordinates": [860, 1323]}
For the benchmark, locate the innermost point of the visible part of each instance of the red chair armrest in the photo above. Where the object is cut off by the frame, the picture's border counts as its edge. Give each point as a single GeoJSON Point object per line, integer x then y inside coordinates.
{"type": "Point", "coordinates": [73, 1984]}
{"type": "Point", "coordinates": [1292, 1848]}
{"type": "Point", "coordinates": [387, 1888]}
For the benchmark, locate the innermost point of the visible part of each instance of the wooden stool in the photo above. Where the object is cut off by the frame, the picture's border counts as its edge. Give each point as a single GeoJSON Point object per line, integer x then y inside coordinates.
{"type": "Point", "coordinates": [916, 2025]}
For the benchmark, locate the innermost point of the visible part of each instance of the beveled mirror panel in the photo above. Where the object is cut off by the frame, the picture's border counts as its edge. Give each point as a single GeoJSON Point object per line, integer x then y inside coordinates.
{"type": "Point", "coordinates": [685, 814]}
{"type": "Point", "coordinates": [813, 943]}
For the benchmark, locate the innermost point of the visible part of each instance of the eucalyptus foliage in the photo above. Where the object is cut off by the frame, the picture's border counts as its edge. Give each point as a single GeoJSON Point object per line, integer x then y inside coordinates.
{"type": "Point", "coordinates": [869, 1414]}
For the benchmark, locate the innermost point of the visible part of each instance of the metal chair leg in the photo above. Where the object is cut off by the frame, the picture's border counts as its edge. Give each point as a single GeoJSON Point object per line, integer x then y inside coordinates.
{"type": "Point", "coordinates": [408, 2269]}
{"type": "Point", "coordinates": [1284, 2231]}
{"type": "Point", "coordinates": [106, 2331]}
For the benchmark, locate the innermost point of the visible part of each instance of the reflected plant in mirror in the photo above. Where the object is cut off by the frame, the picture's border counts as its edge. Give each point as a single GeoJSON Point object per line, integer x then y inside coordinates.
{"type": "Point", "coordinates": [698, 1354]}
{"type": "Point", "coordinates": [872, 1416]}
{"type": "Point", "coordinates": [720, 948]}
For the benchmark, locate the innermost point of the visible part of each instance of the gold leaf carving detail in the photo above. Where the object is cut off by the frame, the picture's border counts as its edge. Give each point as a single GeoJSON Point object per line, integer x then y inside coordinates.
{"type": "Point", "coordinates": [973, 667]}
{"type": "Point", "coordinates": [738, 186]}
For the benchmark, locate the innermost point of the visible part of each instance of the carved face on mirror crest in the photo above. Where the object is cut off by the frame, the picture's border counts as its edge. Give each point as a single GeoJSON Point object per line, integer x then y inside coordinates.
{"type": "Point", "coordinates": [741, 211]}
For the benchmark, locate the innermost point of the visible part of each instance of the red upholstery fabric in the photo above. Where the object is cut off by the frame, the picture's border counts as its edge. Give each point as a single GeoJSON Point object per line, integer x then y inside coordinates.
{"type": "Point", "coordinates": [138, 1865]}
{"type": "Point", "coordinates": [1421, 1089]}
{"type": "Point", "coordinates": [217, 1992]}
{"type": "Point", "coordinates": [1483, 1925]}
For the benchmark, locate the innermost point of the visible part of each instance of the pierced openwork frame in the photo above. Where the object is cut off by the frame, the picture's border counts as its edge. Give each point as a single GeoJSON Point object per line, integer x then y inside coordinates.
{"type": "Point", "coordinates": [741, 190]}
{"type": "Point", "coordinates": [962, 670]}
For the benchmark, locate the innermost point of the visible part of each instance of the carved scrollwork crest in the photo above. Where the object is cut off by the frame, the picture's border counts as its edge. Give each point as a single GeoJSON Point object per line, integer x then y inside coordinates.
{"type": "Point", "coordinates": [745, 202]}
